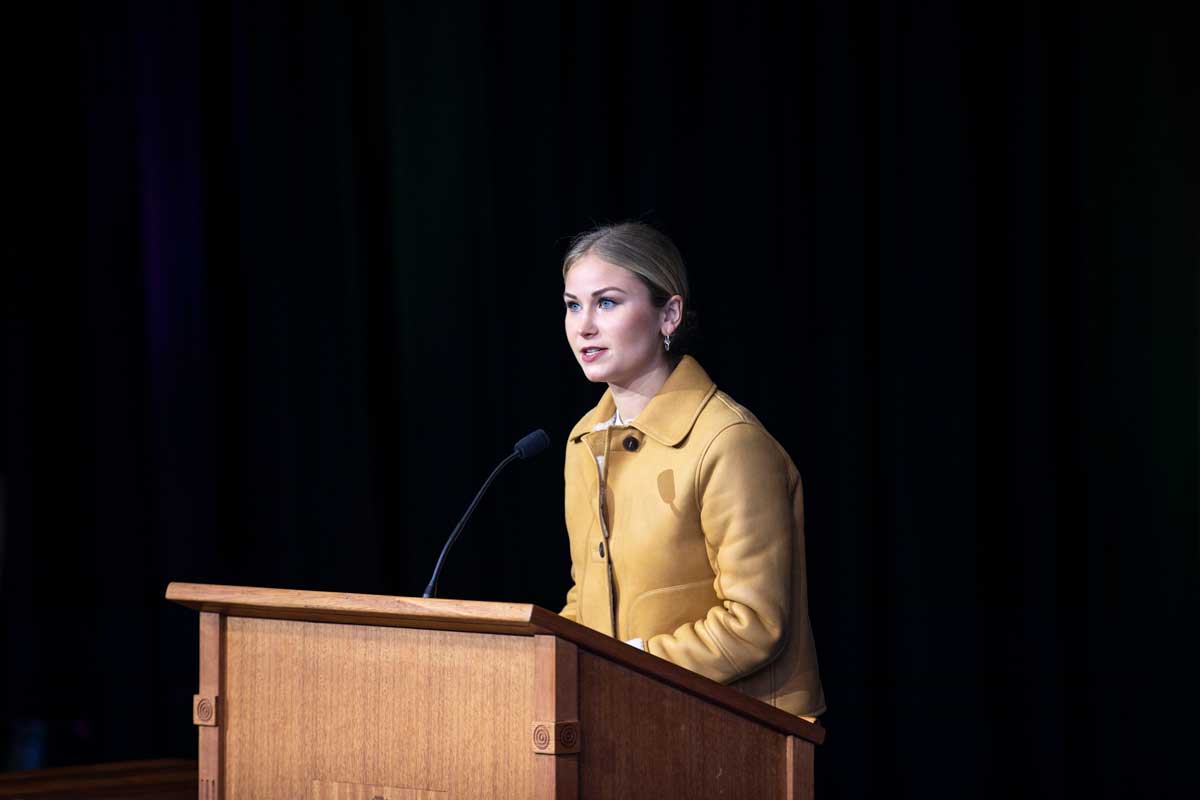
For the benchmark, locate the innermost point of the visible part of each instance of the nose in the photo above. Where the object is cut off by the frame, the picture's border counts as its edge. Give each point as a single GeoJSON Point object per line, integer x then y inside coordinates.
{"type": "Point", "coordinates": [587, 323]}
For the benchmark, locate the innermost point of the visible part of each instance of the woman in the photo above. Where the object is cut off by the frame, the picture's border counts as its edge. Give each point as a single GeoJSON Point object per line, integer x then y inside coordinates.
{"type": "Point", "coordinates": [685, 516]}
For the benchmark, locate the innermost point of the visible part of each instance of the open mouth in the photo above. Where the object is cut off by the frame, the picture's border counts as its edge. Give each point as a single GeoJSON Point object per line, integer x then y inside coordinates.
{"type": "Point", "coordinates": [592, 353]}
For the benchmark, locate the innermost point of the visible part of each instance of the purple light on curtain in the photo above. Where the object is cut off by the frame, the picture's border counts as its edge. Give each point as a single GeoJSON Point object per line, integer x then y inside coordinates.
{"type": "Point", "coordinates": [170, 164]}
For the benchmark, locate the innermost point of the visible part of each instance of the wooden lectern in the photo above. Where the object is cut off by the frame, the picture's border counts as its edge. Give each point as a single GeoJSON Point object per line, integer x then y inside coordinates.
{"type": "Point", "coordinates": [327, 696]}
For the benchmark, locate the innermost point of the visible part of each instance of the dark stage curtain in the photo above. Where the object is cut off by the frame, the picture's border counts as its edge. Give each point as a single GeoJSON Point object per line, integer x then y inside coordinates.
{"type": "Point", "coordinates": [281, 285]}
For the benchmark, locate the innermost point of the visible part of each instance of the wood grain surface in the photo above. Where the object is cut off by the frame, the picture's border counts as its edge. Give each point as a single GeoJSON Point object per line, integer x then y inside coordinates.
{"type": "Point", "coordinates": [555, 700]}
{"type": "Point", "coordinates": [212, 637]}
{"type": "Point", "coordinates": [477, 616]}
{"type": "Point", "coordinates": [710, 691]}
{"type": "Point", "coordinates": [362, 609]}
{"type": "Point", "coordinates": [327, 790]}
{"type": "Point", "coordinates": [646, 740]}
{"type": "Point", "coordinates": [800, 784]}
{"type": "Point", "coordinates": [407, 708]}
{"type": "Point", "coordinates": [169, 779]}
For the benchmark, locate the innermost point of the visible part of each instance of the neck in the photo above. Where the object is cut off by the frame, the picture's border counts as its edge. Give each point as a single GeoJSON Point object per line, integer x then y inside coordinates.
{"type": "Point", "coordinates": [633, 396]}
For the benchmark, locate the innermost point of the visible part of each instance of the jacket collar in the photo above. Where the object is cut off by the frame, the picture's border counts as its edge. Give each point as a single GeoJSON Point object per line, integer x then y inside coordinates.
{"type": "Point", "coordinates": [670, 414]}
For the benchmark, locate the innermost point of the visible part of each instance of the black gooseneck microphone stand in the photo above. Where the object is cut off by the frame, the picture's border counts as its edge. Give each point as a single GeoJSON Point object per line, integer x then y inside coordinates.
{"type": "Point", "coordinates": [529, 446]}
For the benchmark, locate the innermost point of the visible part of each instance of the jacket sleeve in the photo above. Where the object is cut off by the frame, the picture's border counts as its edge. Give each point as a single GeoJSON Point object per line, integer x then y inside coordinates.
{"type": "Point", "coordinates": [571, 609]}
{"type": "Point", "coordinates": [744, 490]}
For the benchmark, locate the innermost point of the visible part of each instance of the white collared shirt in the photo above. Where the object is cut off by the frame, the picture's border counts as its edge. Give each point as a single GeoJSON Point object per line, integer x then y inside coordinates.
{"type": "Point", "coordinates": [616, 420]}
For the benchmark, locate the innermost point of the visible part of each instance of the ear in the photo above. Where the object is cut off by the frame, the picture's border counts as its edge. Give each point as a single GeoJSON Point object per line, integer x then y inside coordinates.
{"type": "Point", "coordinates": [671, 315]}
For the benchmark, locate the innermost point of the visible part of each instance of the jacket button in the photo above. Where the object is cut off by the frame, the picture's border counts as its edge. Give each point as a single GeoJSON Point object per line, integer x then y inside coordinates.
{"type": "Point", "coordinates": [602, 549]}
{"type": "Point", "coordinates": [630, 443]}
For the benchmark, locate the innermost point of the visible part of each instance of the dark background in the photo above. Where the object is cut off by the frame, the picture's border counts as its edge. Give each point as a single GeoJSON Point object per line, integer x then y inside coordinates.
{"type": "Point", "coordinates": [281, 284]}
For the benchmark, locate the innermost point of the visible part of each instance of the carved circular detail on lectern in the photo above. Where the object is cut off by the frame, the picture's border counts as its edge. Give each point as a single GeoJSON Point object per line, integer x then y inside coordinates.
{"type": "Point", "coordinates": [204, 710]}
{"type": "Point", "coordinates": [541, 737]}
{"type": "Point", "coordinates": [568, 736]}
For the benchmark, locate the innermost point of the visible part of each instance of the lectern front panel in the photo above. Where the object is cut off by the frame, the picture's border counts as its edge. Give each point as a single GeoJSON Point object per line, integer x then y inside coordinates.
{"type": "Point", "coordinates": [318, 709]}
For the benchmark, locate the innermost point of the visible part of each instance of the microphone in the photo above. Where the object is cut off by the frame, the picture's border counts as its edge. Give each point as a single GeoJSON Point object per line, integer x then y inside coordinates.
{"type": "Point", "coordinates": [529, 446]}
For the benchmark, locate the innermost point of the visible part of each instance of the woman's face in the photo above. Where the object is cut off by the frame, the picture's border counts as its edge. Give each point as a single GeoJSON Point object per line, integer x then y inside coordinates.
{"type": "Point", "coordinates": [612, 326]}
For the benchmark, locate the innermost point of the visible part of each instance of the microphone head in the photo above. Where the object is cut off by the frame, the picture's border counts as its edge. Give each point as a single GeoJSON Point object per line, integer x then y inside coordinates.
{"type": "Point", "coordinates": [531, 444]}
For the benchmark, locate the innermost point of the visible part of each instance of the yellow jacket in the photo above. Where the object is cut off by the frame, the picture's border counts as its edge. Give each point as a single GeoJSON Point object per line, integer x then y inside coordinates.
{"type": "Point", "coordinates": [692, 539]}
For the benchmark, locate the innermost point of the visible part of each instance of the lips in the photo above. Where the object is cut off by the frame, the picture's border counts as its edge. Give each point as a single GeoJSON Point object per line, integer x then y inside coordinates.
{"type": "Point", "coordinates": [590, 354]}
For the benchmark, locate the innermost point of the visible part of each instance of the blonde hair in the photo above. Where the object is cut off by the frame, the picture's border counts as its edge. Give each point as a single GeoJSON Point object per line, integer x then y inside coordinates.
{"type": "Point", "coordinates": [648, 253]}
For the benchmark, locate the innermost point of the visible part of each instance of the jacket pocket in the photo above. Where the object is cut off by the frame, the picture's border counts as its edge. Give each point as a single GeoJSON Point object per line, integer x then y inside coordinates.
{"type": "Point", "coordinates": [664, 609]}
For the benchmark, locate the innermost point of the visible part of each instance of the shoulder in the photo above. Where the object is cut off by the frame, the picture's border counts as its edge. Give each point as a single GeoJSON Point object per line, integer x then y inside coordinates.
{"type": "Point", "coordinates": [725, 427]}
{"type": "Point", "coordinates": [723, 407]}
{"type": "Point", "coordinates": [721, 415]}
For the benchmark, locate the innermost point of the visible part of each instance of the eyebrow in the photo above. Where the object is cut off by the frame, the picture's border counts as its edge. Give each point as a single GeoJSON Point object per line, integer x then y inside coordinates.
{"type": "Point", "coordinates": [599, 291]}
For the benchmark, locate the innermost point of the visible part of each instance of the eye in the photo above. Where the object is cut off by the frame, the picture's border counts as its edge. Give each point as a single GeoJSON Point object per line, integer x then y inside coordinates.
{"type": "Point", "coordinates": [606, 303]}
{"type": "Point", "coordinates": [571, 305]}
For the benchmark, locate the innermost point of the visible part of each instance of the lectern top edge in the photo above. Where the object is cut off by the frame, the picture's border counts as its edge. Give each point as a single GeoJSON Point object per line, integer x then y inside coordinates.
{"type": "Point", "coordinates": [478, 616]}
